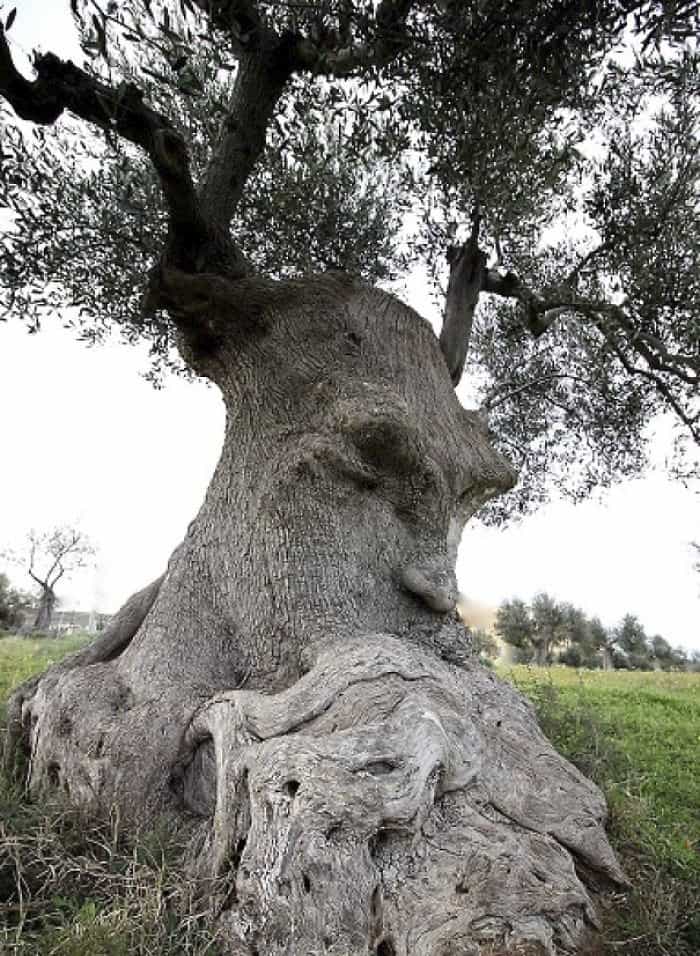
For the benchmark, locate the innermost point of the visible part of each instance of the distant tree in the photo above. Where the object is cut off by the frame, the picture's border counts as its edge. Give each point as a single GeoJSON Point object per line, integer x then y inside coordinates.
{"type": "Point", "coordinates": [515, 626]}
{"type": "Point", "coordinates": [49, 557]}
{"type": "Point", "coordinates": [13, 603]}
{"type": "Point", "coordinates": [538, 629]}
{"type": "Point", "coordinates": [667, 657]}
{"type": "Point", "coordinates": [484, 645]}
{"type": "Point", "coordinates": [534, 630]}
{"type": "Point", "coordinates": [548, 617]}
{"type": "Point", "coordinates": [578, 634]}
{"type": "Point", "coordinates": [680, 661]}
{"type": "Point", "coordinates": [693, 663]}
{"type": "Point", "coordinates": [632, 651]}
{"type": "Point", "coordinates": [572, 656]}
{"type": "Point", "coordinates": [603, 640]}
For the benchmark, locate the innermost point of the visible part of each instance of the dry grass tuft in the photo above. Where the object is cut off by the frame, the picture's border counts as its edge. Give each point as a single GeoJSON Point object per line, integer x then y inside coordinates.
{"type": "Point", "coordinates": [69, 887]}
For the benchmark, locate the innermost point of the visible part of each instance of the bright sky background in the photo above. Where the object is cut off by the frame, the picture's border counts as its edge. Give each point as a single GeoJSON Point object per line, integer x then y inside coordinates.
{"type": "Point", "coordinates": [86, 440]}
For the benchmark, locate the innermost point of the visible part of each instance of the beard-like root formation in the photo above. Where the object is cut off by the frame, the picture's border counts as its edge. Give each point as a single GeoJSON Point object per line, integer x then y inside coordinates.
{"type": "Point", "coordinates": [390, 803]}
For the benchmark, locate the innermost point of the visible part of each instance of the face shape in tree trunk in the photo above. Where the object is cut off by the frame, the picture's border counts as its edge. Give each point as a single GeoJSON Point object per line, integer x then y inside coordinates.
{"type": "Point", "coordinates": [298, 683]}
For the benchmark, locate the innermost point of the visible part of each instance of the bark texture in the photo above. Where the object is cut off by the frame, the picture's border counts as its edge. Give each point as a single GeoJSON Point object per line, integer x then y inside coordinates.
{"type": "Point", "coordinates": [297, 689]}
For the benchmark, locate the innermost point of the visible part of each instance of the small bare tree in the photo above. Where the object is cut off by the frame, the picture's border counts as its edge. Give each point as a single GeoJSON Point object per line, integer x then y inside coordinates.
{"type": "Point", "coordinates": [49, 556]}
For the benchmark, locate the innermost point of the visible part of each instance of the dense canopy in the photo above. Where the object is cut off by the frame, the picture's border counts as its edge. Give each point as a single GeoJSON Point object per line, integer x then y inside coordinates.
{"type": "Point", "coordinates": [561, 136]}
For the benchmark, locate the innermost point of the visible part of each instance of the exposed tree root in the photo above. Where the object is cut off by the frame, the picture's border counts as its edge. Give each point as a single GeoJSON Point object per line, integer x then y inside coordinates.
{"type": "Point", "coordinates": [385, 803]}
{"type": "Point", "coordinates": [391, 803]}
{"type": "Point", "coordinates": [106, 647]}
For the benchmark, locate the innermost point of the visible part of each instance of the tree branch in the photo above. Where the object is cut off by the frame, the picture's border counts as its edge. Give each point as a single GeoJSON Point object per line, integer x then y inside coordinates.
{"type": "Point", "coordinates": [259, 84]}
{"type": "Point", "coordinates": [507, 390]}
{"type": "Point", "coordinates": [32, 558]}
{"type": "Point", "coordinates": [510, 286]}
{"type": "Point", "coordinates": [60, 572]}
{"type": "Point", "coordinates": [37, 580]}
{"type": "Point", "coordinates": [63, 549]}
{"type": "Point", "coordinates": [389, 39]}
{"type": "Point", "coordinates": [649, 347]}
{"type": "Point", "coordinates": [659, 384]}
{"type": "Point", "coordinates": [63, 86]}
{"type": "Point", "coordinates": [467, 266]}
{"type": "Point", "coordinates": [241, 20]}
{"type": "Point", "coordinates": [586, 260]}
{"type": "Point", "coordinates": [540, 315]}
{"type": "Point", "coordinates": [266, 62]}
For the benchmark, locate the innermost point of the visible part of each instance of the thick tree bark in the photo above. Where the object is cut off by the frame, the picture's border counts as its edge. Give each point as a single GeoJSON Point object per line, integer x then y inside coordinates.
{"type": "Point", "coordinates": [298, 691]}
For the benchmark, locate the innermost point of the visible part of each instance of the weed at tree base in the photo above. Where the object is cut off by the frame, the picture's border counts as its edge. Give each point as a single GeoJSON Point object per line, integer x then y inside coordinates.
{"type": "Point", "coordinates": [81, 888]}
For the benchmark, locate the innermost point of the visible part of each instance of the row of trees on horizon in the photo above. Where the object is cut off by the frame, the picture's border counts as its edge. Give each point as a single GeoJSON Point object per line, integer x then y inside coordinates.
{"type": "Point", "coordinates": [541, 632]}
{"type": "Point", "coordinates": [546, 631]}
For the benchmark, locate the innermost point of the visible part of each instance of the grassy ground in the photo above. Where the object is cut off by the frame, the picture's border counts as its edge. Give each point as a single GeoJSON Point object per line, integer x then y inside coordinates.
{"type": "Point", "coordinates": [638, 736]}
{"type": "Point", "coordinates": [20, 657]}
{"type": "Point", "coordinates": [74, 890]}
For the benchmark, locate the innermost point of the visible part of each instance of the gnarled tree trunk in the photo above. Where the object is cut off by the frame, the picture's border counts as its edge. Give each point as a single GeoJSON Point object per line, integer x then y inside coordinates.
{"type": "Point", "coordinates": [298, 690]}
{"type": "Point", "coordinates": [44, 614]}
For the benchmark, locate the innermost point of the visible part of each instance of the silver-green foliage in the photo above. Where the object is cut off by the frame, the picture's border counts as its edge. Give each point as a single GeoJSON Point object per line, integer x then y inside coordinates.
{"type": "Point", "coordinates": [570, 130]}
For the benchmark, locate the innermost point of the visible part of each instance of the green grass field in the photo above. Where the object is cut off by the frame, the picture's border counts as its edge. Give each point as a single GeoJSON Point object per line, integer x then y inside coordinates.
{"type": "Point", "coordinates": [636, 734]}
{"type": "Point", "coordinates": [20, 657]}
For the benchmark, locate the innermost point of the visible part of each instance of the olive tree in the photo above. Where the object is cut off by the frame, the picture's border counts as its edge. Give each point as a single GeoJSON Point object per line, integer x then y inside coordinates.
{"type": "Point", "coordinates": [296, 692]}
{"type": "Point", "coordinates": [48, 557]}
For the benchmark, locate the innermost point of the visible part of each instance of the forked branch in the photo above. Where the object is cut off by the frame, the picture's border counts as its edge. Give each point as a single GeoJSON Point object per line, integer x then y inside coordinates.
{"type": "Point", "coordinates": [541, 313]}
{"type": "Point", "coordinates": [627, 339]}
{"type": "Point", "coordinates": [266, 61]}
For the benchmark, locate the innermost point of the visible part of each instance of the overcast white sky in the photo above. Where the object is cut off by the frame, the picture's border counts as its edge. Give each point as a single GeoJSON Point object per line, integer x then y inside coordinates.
{"type": "Point", "coordinates": [85, 439]}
